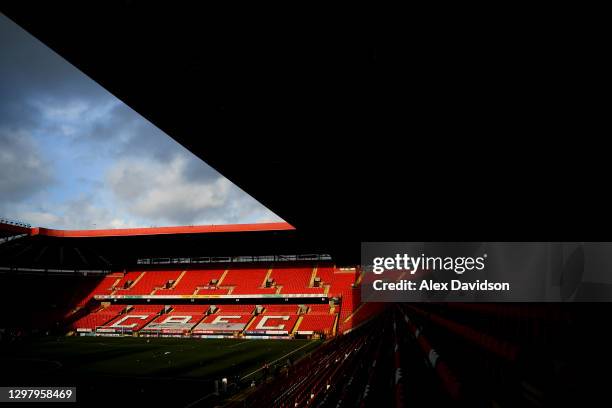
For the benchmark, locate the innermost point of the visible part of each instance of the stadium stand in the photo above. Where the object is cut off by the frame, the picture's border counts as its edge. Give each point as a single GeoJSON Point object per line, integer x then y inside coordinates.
{"type": "Point", "coordinates": [289, 309]}
{"type": "Point", "coordinates": [272, 323]}
{"type": "Point", "coordinates": [248, 281]}
{"type": "Point", "coordinates": [245, 309]}
{"type": "Point", "coordinates": [97, 318]}
{"type": "Point", "coordinates": [316, 323]}
{"type": "Point", "coordinates": [195, 309]}
{"type": "Point", "coordinates": [445, 353]}
{"type": "Point", "coordinates": [105, 287]}
{"type": "Point", "coordinates": [179, 320]}
{"type": "Point", "coordinates": [189, 282]}
{"type": "Point", "coordinates": [226, 319]}
{"type": "Point", "coordinates": [363, 313]}
{"type": "Point", "coordinates": [252, 285]}
{"type": "Point", "coordinates": [134, 319]}
{"type": "Point", "coordinates": [147, 283]}
{"type": "Point", "coordinates": [296, 280]}
{"type": "Point", "coordinates": [334, 368]}
{"type": "Point", "coordinates": [320, 309]}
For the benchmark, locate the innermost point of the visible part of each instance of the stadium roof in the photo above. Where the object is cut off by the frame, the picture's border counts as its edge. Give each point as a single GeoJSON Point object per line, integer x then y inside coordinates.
{"type": "Point", "coordinates": [41, 248]}
{"type": "Point", "coordinates": [348, 132]}
{"type": "Point", "coordinates": [10, 229]}
{"type": "Point", "coordinates": [152, 231]}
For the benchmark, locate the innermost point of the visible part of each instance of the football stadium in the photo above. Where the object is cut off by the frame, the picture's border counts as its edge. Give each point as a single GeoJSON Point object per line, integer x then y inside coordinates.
{"type": "Point", "coordinates": [226, 323]}
{"type": "Point", "coordinates": [226, 208]}
{"type": "Point", "coordinates": [227, 329]}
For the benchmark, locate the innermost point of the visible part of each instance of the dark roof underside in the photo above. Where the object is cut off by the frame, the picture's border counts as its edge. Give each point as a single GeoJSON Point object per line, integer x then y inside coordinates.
{"type": "Point", "coordinates": [347, 131]}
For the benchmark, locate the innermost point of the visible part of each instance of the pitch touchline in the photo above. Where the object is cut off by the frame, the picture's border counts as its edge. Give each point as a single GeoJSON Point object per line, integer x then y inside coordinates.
{"type": "Point", "coordinates": [280, 358]}
{"type": "Point", "coordinates": [196, 401]}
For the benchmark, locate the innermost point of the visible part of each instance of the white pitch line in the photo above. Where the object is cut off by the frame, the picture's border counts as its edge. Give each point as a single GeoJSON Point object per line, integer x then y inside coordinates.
{"type": "Point", "coordinates": [278, 359]}
{"type": "Point", "coordinates": [239, 343]}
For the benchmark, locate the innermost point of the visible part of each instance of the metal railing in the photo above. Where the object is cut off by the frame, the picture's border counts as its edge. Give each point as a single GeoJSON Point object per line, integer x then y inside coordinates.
{"type": "Point", "coordinates": [233, 259]}
{"type": "Point", "coordinates": [14, 222]}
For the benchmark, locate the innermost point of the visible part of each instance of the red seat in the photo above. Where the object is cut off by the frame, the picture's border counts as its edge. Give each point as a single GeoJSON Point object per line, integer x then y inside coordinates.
{"type": "Point", "coordinates": [97, 318]}
{"type": "Point", "coordinates": [273, 323]}
{"type": "Point", "coordinates": [192, 280]}
{"type": "Point", "coordinates": [317, 323]}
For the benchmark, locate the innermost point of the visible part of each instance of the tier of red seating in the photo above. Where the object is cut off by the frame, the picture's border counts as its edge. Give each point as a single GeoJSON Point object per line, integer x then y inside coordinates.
{"type": "Point", "coordinates": [282, 318]}
{"type": "Point", "coordinates": [296, 280]}
{"type": "Point", "coordinates": [243, 318]}
{"type": "Point", "coordinates": [196, 309]}
{"type": "Point", "coordinates": [317, 323]}
{"type": "Point", "coordinates": [147, 283]}
{"type": "Point", "coordinates": [248, 309]}
{"type": "Point", "coordinates": [104, 287]}
{"type": "Point", "coordinates": [192, 280]}
{"type": "Point", "coordinates": [127, 280]}
{"type": "Point", "coordinates": [238, 281]}
{"type": "Point", "coordinates": [247, 282]}
{"type": "Point", "coordinates": [135, 318]}
{"type": "Point", "coordinates": [359, 315]}
{"type": "Point", "coordinates": [271, 322]}
{"type": "Point", "coordinates": [289, 309]}
{"type": "Point", "coordinates": [185, 314]}
{"type": "Point", "coordinates": [98, 317]}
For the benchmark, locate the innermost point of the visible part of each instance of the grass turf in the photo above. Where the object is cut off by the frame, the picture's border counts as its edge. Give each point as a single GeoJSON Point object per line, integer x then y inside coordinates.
{"type": "Point", "coordinates": [138, 369]}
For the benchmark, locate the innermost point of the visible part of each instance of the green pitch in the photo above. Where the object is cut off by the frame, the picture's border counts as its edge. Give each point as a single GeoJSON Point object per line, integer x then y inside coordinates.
{"type": "Point", "coordinates": [139, 369]}
{"type": "Point", "coordinates": [152, 357]}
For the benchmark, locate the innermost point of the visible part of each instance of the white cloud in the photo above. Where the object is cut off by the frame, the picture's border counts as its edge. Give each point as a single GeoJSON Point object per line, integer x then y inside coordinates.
{"type": "Point", "coordinates": [151, 190]}
{"type": "Point", "coordinates": [83, 212]}
{"type": "Point", "coordinates": [73, 156]}
{"type": "Point", "coordinates": [68, 111]}
{"type": "Point", "coordinates": [23, 170]}
{"type": "Point", "coordinates": [39, 218]}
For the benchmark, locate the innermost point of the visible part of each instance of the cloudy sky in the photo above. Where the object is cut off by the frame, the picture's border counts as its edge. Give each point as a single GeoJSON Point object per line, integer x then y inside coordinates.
{"type": "Point", "coordinates": [74, 156]}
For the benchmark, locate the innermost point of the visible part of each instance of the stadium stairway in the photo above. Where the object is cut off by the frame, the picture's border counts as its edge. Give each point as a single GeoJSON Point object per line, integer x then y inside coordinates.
{"type": "Point", "coordinates": [297, 325]}
{"type": "Point", "coordinates": [124, 283]}
{"type": "Point", "coordinates": [174, 284]}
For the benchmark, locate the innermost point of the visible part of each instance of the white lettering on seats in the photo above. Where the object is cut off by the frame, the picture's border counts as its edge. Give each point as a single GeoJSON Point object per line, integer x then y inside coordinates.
{"type": "Point", "coordinates": [262, 323]}
{"type": "Point", "coordinates": [221, 319]}
{"type": "Point", "coordinates": [177, 320]}
{"type": "Point", "coordinates": [124, 318]}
